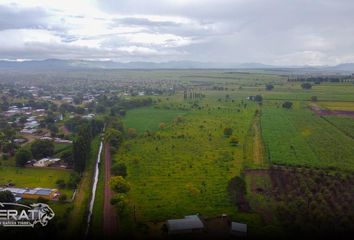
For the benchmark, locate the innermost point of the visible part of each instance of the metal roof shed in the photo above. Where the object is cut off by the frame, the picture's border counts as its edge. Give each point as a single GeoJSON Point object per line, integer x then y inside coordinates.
{"type": "Point", "coordinates": [238, 229]}
{"type": "Point", "coordinates": [189, 224]}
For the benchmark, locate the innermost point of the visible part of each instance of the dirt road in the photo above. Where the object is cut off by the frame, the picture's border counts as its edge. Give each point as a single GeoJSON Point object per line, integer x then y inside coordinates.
{"type": "Point", "coordinates": [110, 223]}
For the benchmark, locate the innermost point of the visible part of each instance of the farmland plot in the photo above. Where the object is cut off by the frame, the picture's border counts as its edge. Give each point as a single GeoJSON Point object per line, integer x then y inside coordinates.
{"type": "Point", "coordinates": [298, 137]}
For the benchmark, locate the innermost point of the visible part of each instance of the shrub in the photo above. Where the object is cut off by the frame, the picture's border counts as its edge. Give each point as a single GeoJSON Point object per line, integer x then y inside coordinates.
{"type": "Point", "coordinates": [119, 169]}
{"type": "Point", "coordinates": [287, 105]}
{"type": "Point", "coordinates": [228, 132]}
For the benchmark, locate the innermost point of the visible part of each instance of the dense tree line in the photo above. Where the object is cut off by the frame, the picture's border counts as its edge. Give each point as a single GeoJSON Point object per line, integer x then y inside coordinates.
{"type": "Point", "coordinates": [85, 132]}
{"type": "Point", "coordinates": [319, 79]}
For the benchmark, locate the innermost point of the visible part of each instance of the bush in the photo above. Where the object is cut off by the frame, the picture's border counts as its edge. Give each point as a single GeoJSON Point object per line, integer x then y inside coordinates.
{"type": "Point", "coordinates": [119, 184]}
{"type": "Point", "coordinates": [258, 98]}
{"type": "Point", "coordinates": [228, 132]}
{"type": "Point", "coordinates": [119, 169]}
{"type": "Point", "coordinates": [287, 104]}
{"type": "Point", "coordinates": [63, 197]}
{"type": "Point", "coordinates": [61, 184]}
{"type": "Point", "coordinates": [74, 180]}
{"type": "Point", "coordinates": [269, 87]}
{"type": "Point", "coordinates": [306, 85]}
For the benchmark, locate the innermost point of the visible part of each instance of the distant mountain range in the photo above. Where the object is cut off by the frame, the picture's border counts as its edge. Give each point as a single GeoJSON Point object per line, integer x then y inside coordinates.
{"type": "Point", "coordinates": [53, 64]}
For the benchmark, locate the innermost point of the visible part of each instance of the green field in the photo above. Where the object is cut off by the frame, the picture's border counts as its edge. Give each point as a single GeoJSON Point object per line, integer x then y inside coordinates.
{"type": "Point", "coordinates": [344, 124]}
{"type": "Point", "coordinates": [32, 177]}
{"type": "Point", "coordinates": [299, 137]}
{"type": "Point", "coordinates": [184, 168]}
{"type": "Point", "coordinates": [143, 119]}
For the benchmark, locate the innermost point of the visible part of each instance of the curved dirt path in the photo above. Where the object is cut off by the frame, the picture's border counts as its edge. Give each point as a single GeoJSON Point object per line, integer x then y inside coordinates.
{"type": "Point", "coordinates": [110, 220]}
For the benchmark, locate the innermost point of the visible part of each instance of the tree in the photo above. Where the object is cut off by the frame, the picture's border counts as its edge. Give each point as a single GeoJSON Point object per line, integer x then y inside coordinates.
{"type": "Point", "coordinates": [61, 183]}
{"type": "Point", "coordinates": [228, 132]}
{"type": "Point", "coordinates": [258, 98]}
{"type": "Point", "coordinates": [113, 137]}
{"type": "Point", "coordinates": [314, 98]}
{"type": "Point", "coordinates": [82, 147]}
{"type": "Point", "coordinates": [119, 169]}
{"type": "Point", "coordinates": [131, 133]}
{"type": "Point", "coordinates": [119, 184]}
{"type": "Point", "coordinates": [287, 105]}
{"type": "Point", "coordinates": [22, 156]}
{"type": "Point", "coordinates": [120, 201]}
{"type": "Point", "coordinates": [269, 87]}
{"type": "Point", "coordinates": [7, 197]}
{"type": "Point", "coordinates": [42, 148]}
{"type": "Point", "coordinates": [306, 86]}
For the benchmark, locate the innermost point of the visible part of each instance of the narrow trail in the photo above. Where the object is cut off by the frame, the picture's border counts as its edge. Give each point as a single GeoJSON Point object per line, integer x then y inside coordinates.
{"type": "Point", "coordinates": [257, 145]}
{"type": "Point", "coordinates": [110, 220]}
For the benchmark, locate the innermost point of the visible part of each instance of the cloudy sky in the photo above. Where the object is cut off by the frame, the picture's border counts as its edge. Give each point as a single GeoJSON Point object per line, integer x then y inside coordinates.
{"type": "Point", "coordinates": [282, 32]}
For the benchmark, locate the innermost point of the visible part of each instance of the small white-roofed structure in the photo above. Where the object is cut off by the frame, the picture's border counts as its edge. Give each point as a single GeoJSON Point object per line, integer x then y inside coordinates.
{"type": "Point", "coordinates": [188, 224]}
{"type": "Point", "coordinates": [45, 162]}
{"type": "Point", "coordinates": [238, 229]}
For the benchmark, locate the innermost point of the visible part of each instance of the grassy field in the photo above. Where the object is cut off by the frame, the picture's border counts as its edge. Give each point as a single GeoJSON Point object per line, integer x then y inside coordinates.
{"type": "Point", "coordinates": [345, 106]}
{"type": "Point", "coordinates": [33, 177]}
{"type": "Point", "coordinates": [143, 119]}
{"type": "Point", "coordinates": [299, 137]}
{"type": "Point", "coordinates": [185, 168]}
{"type": "Point", "coordinates": [346, 125]}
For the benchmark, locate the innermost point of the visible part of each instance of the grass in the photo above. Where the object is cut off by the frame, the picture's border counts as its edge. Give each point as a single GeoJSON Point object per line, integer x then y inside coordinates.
{"type": "Point", "coordinates": [185, 168]}
{"type": "Point", "coordinates": [149, 118]}
{"type": "Point", "coordinates": [32, 177]}
{"type": "Point", "coordinates": [299, 137]}
{"type": "Point", "coordinates": [346, 125]}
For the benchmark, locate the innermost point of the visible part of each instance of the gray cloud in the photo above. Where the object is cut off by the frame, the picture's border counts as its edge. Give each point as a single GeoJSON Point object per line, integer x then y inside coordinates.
{"type": "Point", "coordinates": [273, 31]}
{"type": "Point", "coordinates": [16, 18]}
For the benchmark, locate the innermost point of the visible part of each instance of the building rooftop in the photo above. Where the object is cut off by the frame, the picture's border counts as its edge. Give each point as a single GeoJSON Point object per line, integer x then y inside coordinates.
{"type": "Point", "coordinates": [188, 223]}
{"type": "Point", "coordinates": [238, 227]}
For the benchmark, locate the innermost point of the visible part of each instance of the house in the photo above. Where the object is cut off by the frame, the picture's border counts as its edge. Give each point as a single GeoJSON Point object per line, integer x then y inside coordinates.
{"type": "Point", "coordinates": [26, 193]}
{"type": "Point", "coordinates": [238, 229]}
{"type": "Point", "coordinates": [89, 116]}
{"type": "Point", "coordinates": [28, 131]}
{"type": "Point", "coordinates": [46, 162]}
{"type": "Point", "coordinates": [58, 140]}
{"type": "Point", "coordinates": [11, 112]}
{"type": "Point", "coordinates": [189, 224]}
{"type": "Point", "coordinates": [68, 99]}
{"type": "Point", "coordinates": [20, 140]}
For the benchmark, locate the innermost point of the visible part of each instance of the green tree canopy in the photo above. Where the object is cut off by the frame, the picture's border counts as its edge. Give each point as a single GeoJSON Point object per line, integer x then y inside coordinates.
{"type": "Point", "coordinates": [119, 169]}
{"type": "Point", "coordinates": [7, 197]}
{"type": "Point", "coordinates": [22, 156]}
{"type": "Point", "coordinates": [42, 148]}
{"type": "Point", "coordinates": [119, 184]}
